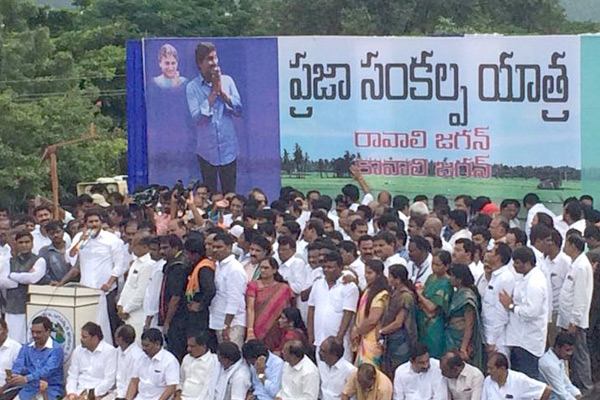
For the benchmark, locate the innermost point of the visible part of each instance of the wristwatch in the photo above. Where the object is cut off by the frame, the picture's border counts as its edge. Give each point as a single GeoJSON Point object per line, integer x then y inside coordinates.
{"type": "Point", "coordinates": [511, 307]}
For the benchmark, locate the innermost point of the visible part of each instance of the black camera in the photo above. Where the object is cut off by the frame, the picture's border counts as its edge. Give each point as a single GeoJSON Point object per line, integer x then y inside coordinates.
{"type": "Point", "coordinates": [184, 192]}
{"type": "Point", "coordinates": [146, 197]}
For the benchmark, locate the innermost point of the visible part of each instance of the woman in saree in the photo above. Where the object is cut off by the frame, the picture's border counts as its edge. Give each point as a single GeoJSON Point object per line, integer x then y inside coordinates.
{"type": "Point", "coordinates": [291, 327]}
{"type": "Point", "coordinates": [398, 326]}
{"type": "Point", "coordinates": [266, 299]}
{"type": "Point", "coordinates": [463, 330]}
{"type": "Point", "coordinates": [434, 299]}
{"type": "Point", "coordinates": [368, 316]}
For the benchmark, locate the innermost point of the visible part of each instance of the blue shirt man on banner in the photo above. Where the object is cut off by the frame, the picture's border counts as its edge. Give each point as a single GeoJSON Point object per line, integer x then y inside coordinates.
{"type": "Point", "coordinates": [213, 101]}
{"type": "Point", "coordinates": [39, 365]}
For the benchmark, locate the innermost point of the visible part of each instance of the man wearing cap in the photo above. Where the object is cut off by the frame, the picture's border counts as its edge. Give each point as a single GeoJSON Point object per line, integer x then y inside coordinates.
{"type": "Point", "coordinates": [99, 200]}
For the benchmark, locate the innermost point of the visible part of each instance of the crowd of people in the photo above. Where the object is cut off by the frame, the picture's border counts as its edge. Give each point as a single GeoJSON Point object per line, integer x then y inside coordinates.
{"type": "Point", "coordinates": [230, 297]}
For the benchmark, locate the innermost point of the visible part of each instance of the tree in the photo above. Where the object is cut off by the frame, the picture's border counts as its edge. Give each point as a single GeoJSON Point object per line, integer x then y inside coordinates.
{"type": "Point", "coordinates": [48, 121]}
{"type": "Point", "coordinates": [286, 163]}
{"type": "Point", "coordinates": [298, 157]}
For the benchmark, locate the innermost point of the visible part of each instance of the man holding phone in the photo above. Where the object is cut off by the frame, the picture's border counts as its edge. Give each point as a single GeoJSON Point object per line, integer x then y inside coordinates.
{"type": "Point", "coordinates": [38, 369]}
{"type": "Point", "coordinates": [9, 349]}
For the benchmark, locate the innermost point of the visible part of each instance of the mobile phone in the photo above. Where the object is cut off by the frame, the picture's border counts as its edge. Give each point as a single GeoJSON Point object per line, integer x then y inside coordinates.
{"type": "Point", "coordinates": [8, 373]}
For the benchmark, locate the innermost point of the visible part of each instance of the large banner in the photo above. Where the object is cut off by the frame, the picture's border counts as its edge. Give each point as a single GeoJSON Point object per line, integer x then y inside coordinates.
{"type": "Point", "coordinates": [433, 109]}
{"type": "Point", "coordinates": [485, 114]}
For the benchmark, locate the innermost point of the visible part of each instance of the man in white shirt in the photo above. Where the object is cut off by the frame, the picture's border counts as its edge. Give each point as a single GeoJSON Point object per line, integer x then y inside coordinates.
{"type": "Point", "coordinates": [573, 216]}
{"type": "Point", "coordinates": [556, 264]}
{"type": "Point", "coordinates": [199, 369]}
{"type": "Point", "coordinates": [152, 296]}
{"type": "Point", "coordinates": [300, 377]}
{"type": "Point", "coordinates": [156, 376]}
{"type": "Point", "coordinates": [129, 355]}
{"type": "Point", "coordinates": [228, 307]}
{"type": "Point", "coordinates": [419, 254]}
{"type": "Point", "coordinates": [457, 221]}
{"type": "Point", "coordinates": [540, 235]}
{"type": "Point", "coordinates": [416, 222]}
{"type": "Point", "coordinates": [464, 253]}
{"type": "Point", "coordinates": [509, 209]}
{"type": "Point", "coordinates": [420, 378]}
{"type": "Point", "coordinates": [314, 229]}
{"type": "Point", "coordinates": [93, 364]}
{"type": "Point", "coordinates": [533, 205]}
{"type": "Point", "coordinates": [402, 204]}
{"type": "Point", "coordinates": [9, 350]}
{"type": "Point", "coordinates": [384, 247]}
{"type": "Point", "coordinates": [296, 271]}
{"type": "Point", "coordinates": [574, 309]}
{"type": "Point", "coordinates": [265, 369]}
{"type": "Point", "coordinates": [553, 371]}
{"type": "Point", "coordinates": [464, 203]}
{"type": "Point", "coordinates": [236, 206]}
{"type": "Point", "coordinates": [292, 269]}
{"type": "Point", "coordinates": [43, 215]}
{"type": "Point", "coordinates": [335, 372]}
{"type": "Point", "coordinates": [432, 229]}
{"type": "Point", "coordinates": [465, 382]}
{"type": "Point", "coordinates": [494, 316]}
{"type": "Point", "coordinates": [233, 381]}
{"type": "Point", "coordinates": [358, 228]}
{"type": "Point", "coordinates": [502, 383]}
{"type": "Point", "coordinates": [528, 306]}
{"type": "Point", "coordinates": [498, 229]}
{"type": "Point", "coordinates": [364, 254]}
{"type": "Point", "coordinates": [332, 305]}
{"type": "Point", "coordinates": [25, 269]}
{"type": "Point", "coordinates": [131, 303]}
{"type": "Point", "coordinates": [99, 254]}
{"type": "Point", "coordinates": [351, 192]}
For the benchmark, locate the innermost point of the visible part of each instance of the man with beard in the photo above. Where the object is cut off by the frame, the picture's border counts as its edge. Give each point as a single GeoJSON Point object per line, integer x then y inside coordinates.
{"type": "Point", "coordinates": [213, 101]}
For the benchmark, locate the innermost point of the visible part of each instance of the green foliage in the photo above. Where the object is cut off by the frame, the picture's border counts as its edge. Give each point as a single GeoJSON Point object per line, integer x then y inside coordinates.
{"type": "Point", "coordinates": [30, 126]}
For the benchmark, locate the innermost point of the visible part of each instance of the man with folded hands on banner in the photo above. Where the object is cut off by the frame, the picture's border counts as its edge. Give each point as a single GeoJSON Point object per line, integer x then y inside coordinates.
{"type": "Point", "coordinates": [213, 101]}
{"type": "Point", "coordinates": [100, 255]}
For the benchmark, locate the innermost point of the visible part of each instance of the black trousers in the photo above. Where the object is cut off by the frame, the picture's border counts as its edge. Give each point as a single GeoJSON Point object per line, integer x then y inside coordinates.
{"type": "Point", "coordinates": [176, 337]}
{"type": "Point", "coordinates": [113, 317]}
{"type": "Point", "coordinates": [226, 174]}
{"type": "Point", "coordinates": [523, 361]}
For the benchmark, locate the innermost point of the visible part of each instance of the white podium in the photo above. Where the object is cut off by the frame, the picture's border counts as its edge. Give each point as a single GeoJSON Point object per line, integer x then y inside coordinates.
{"type": "Point", "coordinates": [68, 308]}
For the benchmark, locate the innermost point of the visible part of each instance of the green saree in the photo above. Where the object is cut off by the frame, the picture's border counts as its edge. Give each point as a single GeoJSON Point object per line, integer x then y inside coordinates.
{"type": "Point", "coordinates": [463, 300]}
{"type": "Point", "coordinates": [431, 330]}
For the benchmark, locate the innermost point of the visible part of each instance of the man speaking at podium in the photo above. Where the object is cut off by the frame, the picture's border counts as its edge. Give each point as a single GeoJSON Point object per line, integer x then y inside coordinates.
{"type": "Point", "coordinates": [100, 255]}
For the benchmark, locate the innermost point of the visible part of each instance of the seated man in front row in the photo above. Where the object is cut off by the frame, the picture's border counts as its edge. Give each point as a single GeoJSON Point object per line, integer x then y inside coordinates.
{"type": "Point", "coordinates": [553, 370]}
{"type": "Point", "coordinates": [93, 364]}
{"type": "Point", "coordinates": [156, 377]}
{"type": "Point", "coordinates": [39, 364]}
{"type": "Point", "coordinates": [420, 378]}
{"type": "Point", "coordinates": [368, 383]}
{"type": "Point", "coordinates": [503, 383]}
